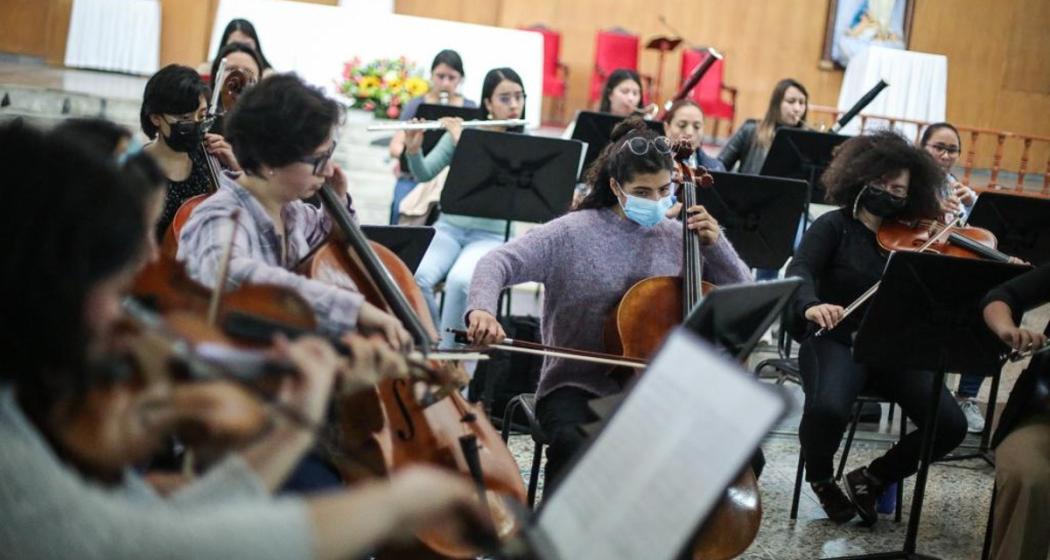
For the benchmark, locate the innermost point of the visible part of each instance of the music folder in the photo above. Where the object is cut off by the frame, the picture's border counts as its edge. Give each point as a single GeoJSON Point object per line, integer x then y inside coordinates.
{"type": "Point", "coordinates": [663, 460]}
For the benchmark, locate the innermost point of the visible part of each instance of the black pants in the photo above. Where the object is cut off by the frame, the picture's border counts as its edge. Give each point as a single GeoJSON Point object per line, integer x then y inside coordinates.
{"type": "Point", "coordinates": [832, 381]}
{"type": "Point", "coordinates": [561, 413]}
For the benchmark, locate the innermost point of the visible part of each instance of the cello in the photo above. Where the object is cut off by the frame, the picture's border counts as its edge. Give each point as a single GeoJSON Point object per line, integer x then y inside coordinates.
{"type": "Point", "coordinates": [394, 426]}
{"type": "Point", "coordinates": [638, 325]}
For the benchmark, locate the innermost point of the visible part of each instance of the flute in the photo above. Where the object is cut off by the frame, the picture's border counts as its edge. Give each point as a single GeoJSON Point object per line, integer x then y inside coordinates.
{"type": "Point", "coordinates": [436, 125]}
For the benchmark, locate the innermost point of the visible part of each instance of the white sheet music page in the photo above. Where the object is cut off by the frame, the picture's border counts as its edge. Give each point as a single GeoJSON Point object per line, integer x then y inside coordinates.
{"type": "Point", "coordinates": [664, 459]}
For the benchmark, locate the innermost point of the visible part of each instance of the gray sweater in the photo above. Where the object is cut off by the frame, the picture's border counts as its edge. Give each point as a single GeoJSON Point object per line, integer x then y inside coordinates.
{"type": "Point", "coordinates": [47, 510]}
{"type": "Point", "coordinates": [587, 260]}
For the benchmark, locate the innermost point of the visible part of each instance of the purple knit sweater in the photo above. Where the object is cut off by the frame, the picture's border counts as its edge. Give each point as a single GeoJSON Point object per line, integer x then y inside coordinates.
{"type": "Point", "coordinates": [587, 260]}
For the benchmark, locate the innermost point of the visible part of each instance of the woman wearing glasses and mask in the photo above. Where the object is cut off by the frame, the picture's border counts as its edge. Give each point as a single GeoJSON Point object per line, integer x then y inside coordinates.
{"type": "Point", "coordinates": [174, 104]}
{"type": "Point", "coordinates": [618, 235]}
{"type": "Point", "coordinates": [461, 240]}
{"type": "Point", "coordinates": [283, 133]}
{"type": "Point", "coordinates": [872, 178]}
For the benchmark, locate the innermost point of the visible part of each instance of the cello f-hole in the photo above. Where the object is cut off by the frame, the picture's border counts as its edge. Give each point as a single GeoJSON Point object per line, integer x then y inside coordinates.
{"type": "Point", "coordinates": [403, 409]}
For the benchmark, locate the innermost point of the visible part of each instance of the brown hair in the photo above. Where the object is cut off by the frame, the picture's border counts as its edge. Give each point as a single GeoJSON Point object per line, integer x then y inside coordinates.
{"type": "Point", "coordinates": [686, 102]}
{"type": "Point", "coordinates": [769, 123]}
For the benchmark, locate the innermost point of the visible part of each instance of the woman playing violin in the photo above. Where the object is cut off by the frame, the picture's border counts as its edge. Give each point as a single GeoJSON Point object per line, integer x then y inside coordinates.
{"type": "Point", "coordinates": [587, 259]}
{"type": "Point", "coordinates": [71, 427]}
{"type": "Point", "coordinates": [283, 133]}
{"type": "Point", "coordinates": [872, 178]}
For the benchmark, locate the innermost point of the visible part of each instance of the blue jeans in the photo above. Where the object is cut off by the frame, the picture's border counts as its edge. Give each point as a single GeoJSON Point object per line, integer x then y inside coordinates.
{"type": "Point", "coordinates": [969, 385]}
{"type": "Point", "coordinates": [402, 187]}
{"type": "Point", "coordinates": [452, 256]}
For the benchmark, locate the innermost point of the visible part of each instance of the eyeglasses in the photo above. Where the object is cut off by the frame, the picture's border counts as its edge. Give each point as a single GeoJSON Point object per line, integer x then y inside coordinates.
{"type": "Point", "coordinates": [319, 161]}
{"type": "Point", "coordinates": [639, 146]}
{"type": "Point", "coordinates": [944, 149]}
{"type": "Point", "coordinates": [506, 98]}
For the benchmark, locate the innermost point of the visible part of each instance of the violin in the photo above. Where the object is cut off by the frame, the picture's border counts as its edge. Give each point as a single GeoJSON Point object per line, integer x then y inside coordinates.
{"type": "Point", "coordinates": [638, 325]}
{"type": "Point", "coordinates": [959, 241]}
{"type": "Point", "coordinates": [391, 426]}
{"type": "Point", "coordinates": [929, 236]}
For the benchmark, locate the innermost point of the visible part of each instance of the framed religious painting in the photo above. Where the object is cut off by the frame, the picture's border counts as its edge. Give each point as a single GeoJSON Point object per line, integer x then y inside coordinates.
{"type": "Point", "coordinates": [854, 25]}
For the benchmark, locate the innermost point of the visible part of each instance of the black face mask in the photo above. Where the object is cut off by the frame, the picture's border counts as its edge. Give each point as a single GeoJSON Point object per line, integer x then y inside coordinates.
{"type": "Point", "coordinates": [185, 136]}
{"type": "Point", "coordinates": [881, 203]}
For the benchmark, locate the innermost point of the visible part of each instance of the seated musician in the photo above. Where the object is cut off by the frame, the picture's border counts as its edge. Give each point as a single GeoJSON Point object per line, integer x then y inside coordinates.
{"type": "Point", "coordinates": [586, 260]}
{"type": "Point", "coordinates": [174, 103]}
{"type": "Point", "coordinates": [871, 178]}
{"type": "Point", "coordinates": [943, 142]}
{"type": "Point", "coordinates": [71, 426]}
{"type": "Point", "coordinates": [283, 133]}
{"type": "Point", "coordinates": [684, 122]}
{"type": "Point", "coordinates": [459, 241]}
{"type": "Point", "coordinates": [238, 31]}
{"type": "Point", "coordinates": [1022, 440]}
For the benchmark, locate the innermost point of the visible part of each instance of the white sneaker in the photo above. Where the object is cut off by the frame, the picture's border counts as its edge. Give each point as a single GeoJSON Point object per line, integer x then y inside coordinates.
{"type": "Point", "coordinates": [974, 418]}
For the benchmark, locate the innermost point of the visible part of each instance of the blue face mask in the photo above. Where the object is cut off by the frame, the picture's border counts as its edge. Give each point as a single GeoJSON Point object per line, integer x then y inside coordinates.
{"type": "Point", "coordinates": [644, 212]}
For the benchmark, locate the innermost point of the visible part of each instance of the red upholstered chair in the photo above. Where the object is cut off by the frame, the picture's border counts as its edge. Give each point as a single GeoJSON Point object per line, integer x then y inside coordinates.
{"type": "Point", "coordinates": [708, 93]}
{"type": "Point", "coordinates": [614, 48]}
{"type": "Point", "coordinates": [555, 73]}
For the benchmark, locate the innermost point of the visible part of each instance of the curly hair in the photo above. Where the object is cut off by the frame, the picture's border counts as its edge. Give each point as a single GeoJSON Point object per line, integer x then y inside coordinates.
{"type": "Point", "coordinates": [881, 155]}
{"type": "Point", "coordinates": [622, 165]}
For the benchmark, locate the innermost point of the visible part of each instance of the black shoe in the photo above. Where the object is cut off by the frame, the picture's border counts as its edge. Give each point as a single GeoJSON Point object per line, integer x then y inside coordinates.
{"type": "Point", "coordinates": [864, 491]}
{"type": "Point", "coordinates": [835, 503]}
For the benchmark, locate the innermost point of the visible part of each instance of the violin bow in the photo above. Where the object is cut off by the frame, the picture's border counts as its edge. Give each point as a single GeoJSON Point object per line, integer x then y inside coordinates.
{"type": "Point", "coordinates": [224, 271]}
{"type": "Point", "coordinates": [944, 231]}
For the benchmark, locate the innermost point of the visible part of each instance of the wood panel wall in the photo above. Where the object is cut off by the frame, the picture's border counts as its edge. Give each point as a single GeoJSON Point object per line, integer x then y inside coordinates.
{"type": "Point", "coordinates": [998, 55]}
{"type": "Point", "coordinates": [998, 70]}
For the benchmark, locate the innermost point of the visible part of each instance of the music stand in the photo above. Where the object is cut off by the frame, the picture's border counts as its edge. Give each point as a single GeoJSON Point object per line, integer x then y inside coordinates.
{"type": "Point", "coordinates": [927, 315]}
{"type": "Point", "coordinates": [759, 214]}
{"type": "Point", "coordinates": [595, 128]}
{"type": "Point", "coordinates": [433, 112]}
{"type": "Point", "coordinates": [1019, 222]}
{"type": "Point", "coordinates": [410, 243]}
{"type": "Point", "coordinates": [511, 177]}
{"type": "Point", "coordinates": [733, 318]}
{"type": "Point", "coordinates": [802, 154]}
{"type": "Point", "coordinates": [662, 45]}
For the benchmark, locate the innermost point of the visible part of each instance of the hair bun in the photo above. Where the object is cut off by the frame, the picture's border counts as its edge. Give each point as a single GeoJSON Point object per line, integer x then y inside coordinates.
{"type": "Point", "coordinates": [631, 124]}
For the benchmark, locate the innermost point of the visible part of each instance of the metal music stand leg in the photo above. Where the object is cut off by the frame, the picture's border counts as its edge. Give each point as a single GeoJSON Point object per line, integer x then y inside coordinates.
{"type": "Point", "coordinates": [925, 458]}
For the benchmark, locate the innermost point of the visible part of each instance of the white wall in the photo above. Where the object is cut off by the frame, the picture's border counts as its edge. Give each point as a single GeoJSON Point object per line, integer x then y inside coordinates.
{"type": "Point", "coordinates": [315, 41]}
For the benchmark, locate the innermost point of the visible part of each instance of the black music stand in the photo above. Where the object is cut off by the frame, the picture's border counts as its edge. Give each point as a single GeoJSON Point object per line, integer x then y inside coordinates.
{"type": "Point", "coordinates": [802, 154]}
{"type": "Point", "coordinates": [433, 112]}
{"type": "Point", "coordinates": [1019, 222]}
{"type": "Point", "coordinates": [733, 318]}
{"type": "Point", "coordinates": [595, 129]}
{"type": "Point", "coordinates": [511, 177]}
{"type": "Point", "coordinates": [927, 315]}
{"type": "Point", "coordinates": [759, 214]}
{"type": "Point", "coordinates": [410, 243]}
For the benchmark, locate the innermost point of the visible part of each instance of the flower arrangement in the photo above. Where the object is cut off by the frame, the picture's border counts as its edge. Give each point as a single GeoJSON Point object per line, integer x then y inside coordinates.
{"type": "Point", "coordinates": [382, 86]}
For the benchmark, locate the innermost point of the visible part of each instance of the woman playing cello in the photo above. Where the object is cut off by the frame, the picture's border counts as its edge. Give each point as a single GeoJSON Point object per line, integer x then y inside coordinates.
{"type": "Point", "coordinates": [587, 259]}
{"type": "Point", "coordinates": [871, 178]}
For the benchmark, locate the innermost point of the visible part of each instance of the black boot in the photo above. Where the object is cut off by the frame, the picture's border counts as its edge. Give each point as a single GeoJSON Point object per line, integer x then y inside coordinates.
{"type": "Point", "coordinates": [835, 503]}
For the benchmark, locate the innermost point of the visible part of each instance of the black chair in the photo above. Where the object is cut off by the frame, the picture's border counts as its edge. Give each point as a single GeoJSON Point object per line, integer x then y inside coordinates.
{"type": "Point", "coordinates": [857, 406]}
{"type": "Point", "coordinates": [785, 365]}
{"type": "Point", "coordinates": [527, 403]}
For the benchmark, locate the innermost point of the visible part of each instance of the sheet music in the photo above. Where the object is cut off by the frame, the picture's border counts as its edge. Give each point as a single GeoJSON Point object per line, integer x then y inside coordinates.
{"type": "Point", "coordinates": [664, 459]}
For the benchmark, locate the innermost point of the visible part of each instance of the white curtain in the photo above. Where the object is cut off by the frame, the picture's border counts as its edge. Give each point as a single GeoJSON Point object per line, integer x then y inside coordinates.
{"type": "Point", "coordinates": [918, 85]}
{"type": "Point", "coordinates": [115, 35]}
